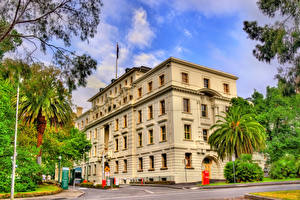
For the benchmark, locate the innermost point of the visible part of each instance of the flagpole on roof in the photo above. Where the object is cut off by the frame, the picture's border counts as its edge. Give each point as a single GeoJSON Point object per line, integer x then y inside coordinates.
{"type": "Point", "coordinates": [117, 57]}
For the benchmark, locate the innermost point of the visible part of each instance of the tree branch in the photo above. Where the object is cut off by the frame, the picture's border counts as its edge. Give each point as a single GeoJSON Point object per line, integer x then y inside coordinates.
{"type": "Point", "coordinates": [12, 24]}
{"type": "Point", "coordinates": [44, 15]}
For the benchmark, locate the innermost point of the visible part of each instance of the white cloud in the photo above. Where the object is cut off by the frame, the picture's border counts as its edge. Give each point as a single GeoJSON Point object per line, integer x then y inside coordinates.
{"type": "Point", "coordinates": [94, 82]}
{"type": "Point", "coordinates": [149, 59]}
{"type": "Point", "coordinates": [187, 33]}
{"type": "Point", "coordinates": [140, 33]}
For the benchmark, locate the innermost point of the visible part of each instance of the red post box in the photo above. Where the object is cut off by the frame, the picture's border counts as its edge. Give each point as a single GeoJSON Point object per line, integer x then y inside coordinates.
{"type": "Point", "coordinates": [205, 177]}
{"type": "Point", "coordinates": [103, 183]}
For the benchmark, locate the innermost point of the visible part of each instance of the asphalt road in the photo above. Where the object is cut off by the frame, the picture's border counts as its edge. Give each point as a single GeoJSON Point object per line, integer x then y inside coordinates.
{"type": "Point", "coordinates": [154, 193]}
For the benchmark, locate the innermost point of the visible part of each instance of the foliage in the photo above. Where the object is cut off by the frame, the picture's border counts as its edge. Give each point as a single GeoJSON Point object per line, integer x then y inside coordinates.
{"type": "Point", "coordinates": [236, 133]}
{"type": "Point", "coordinates": [280, 40]}
{"type": "Point", "coordinates": [70, 143]}
{"type": "Point", "coordinates": [280, 116]}
{"type": "Point", "coordinates": [286, 167]}
{"type": "Point", "coordinates": [246, 107]}
{"type": "Point", "coordinates": [245, 170]}
{"type": "Point", "coordinates": [41, 22]}
{"type": "Point", "coordinates": [8, 44]}
{"type": "Point", "coordinates": [27, 170]}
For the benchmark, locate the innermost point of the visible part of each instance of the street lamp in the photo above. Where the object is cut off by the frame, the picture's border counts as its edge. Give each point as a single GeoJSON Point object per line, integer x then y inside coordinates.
{"type": "Point", "coordinates": [59, 158]}
{"type": "Point", "coordinates": [12, 191]}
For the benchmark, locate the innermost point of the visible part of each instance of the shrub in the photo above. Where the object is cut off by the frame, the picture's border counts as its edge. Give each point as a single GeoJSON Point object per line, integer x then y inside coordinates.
{"type": "Point", "coordinates": [245, 170]}
{"type": "Point", "coordinates": [286, 167]}
{"type": "Point", "coordinates": [87, 184]}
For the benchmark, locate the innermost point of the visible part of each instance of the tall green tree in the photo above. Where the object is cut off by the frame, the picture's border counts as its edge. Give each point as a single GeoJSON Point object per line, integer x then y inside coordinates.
{"type": "Point", "coordinates": [236, 133]}
{"type": "Point", "coordinates": [41, 22]}
{"type": "Point", "coordinates": [44, 101]}
{"type": "Point", "coordinates": [27, 171]}
{"type": "Point", "coordinates": [280, 115]}
{"type": "Point", "coordinates": [279, 40]}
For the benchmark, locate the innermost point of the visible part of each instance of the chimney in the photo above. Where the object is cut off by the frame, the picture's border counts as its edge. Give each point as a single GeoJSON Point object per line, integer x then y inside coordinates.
{"type": "Point", "coordinates": [79, 111]}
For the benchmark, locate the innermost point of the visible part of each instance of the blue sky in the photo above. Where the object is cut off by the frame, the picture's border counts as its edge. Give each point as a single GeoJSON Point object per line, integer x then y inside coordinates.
{"type": "Point", "coordinates": [205, 32]}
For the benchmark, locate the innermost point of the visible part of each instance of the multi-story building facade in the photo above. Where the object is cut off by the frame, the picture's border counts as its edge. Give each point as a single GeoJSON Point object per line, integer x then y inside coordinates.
{"type": "Point", "coordinates": [154, 123]}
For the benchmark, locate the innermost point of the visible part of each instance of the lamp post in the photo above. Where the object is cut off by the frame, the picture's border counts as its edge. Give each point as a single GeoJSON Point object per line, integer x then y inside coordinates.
{"type": "Point", "coordinates": [59, 158]}
{"type": "Point", "coordinates": [12, 191]}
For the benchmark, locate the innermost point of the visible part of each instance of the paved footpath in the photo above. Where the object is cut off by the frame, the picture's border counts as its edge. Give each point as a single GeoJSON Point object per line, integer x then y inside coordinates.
{"type": "Point", "coordinates": [154, 193]}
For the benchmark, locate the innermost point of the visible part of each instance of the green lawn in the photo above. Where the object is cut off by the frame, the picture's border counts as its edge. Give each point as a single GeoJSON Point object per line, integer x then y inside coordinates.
{"type": "Point", "coordinates": [285, 195]}
{"type": "Point", "coordinates": [44, 189]}
{"type": "Point", "coordinates": [264, 180]}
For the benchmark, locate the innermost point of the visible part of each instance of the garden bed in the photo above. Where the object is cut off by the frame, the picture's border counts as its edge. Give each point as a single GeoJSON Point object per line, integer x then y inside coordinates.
{"type": "Point", "coordinates": [42, 190]}
{"type": "Point", "coordinates": [286, 194]}
{"type": "Point", "coordinates": [97, 186]}
{"type": "Point", "coordinates": [265, 180]}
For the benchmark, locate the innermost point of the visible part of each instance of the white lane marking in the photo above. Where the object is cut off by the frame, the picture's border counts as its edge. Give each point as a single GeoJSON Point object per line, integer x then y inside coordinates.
{"type": "Point", "coordinates": [148, 191]}
{"type": "Point", "coordinates": [194, 188]}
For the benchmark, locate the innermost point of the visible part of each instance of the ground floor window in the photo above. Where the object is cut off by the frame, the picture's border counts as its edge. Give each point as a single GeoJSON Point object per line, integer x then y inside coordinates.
{"type": "Point", "coordinates": [164, 160]}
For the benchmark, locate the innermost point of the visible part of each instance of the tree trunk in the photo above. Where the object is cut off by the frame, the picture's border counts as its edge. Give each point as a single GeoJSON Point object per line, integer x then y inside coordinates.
{"type": "Point", "coordinates": [41, 126]}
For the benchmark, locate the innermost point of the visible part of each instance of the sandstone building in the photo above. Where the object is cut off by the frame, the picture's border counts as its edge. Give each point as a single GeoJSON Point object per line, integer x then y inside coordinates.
{"type": "Point", "coordinates": [154, 123]}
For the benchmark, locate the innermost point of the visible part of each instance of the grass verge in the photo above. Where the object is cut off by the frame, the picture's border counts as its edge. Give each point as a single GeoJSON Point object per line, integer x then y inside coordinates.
{"type": "Point", "coordinates": [286, 194]}
{"type": "Point", "coordinates": [263, 181]}
{"type": "Point", "coordinates": [41, 190]}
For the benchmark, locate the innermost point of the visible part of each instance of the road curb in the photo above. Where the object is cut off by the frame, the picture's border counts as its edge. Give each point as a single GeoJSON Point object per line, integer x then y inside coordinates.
{"type": "Point", "coordinates": [158, 185]}
{"type": "Point", "coordinates": [220, 186]}
{"type": "Point", "coordinates": [249, 185]}
{"type": "Point", "coordinates": [257, 197]}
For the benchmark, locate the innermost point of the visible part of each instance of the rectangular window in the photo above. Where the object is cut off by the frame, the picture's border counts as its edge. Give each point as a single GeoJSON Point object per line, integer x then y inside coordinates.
{"type": "Point", "coordinates": [151, 162]}
{"type": "Point", "coordinates": [125, 142]}
{"type": "Point", "coordinates": [116, 90]}
{"type": "Point", "coordinates": [226, 88]}
{"type": "Point", "coordinates": [188, 160]}
{"type": "Point", "coordinates": [150, 136]}
{"type": "Point", "coordinates": [162, 107]}
{"type": "Point", "coordinates": [185, 77]}
{"type": "Point", "coordinates": [206, 83]}
{"type": "Point", "coordinates": [139, 116]}
{"type": "Point", "coordinates": [150, 112]}
{"type": "Point", "coordinates": [164, 160]}
{"type": "Point", "coordinates": [187, 132]}
{"type": "Point", "coordinates": [226, 108]}
{"type": "Point", "coordinates": [125, 100]}
{"type": "Point", "coordinates": [140, 164]}
{"type": "Point", "coordinates": [163, 134]}
{"type": "Point", "coordinates": [131, 80]}
{"type": "Point", "coordinates": [96, 133]}
{"type": "Point", "coordinates": [203, 110]}
{"type": "Point", "coordinates": [95, 169]}
{"type": "Point", "coordinates": [125, 121]}
{"type": "Point", "coordinates": [117, 124]}
{"type": "Point", "coordinates": [150, 86]}
{"type": "Point", "coordinates": [120, 87]}
{"type": "Point", "coordinates": [90, 169]}
{"type": "Point", "coordinates": [126, 82]}
{"type": "Point", "coordinates": [186, 105]}
{"type": "Point", "coordinates": [140, 139]}
{"type": "Point", "coordinates": [90, 136]}
{"type": "Point", "coordinates": [125, 166]}
{"type": "Point", "coordinates": [205, 131]}
{"type": "Point", "coordinates": [117, 167]}
{"type": "Point", "coordinates": [161, 79]}
{"type": "Point", "coordinates": [95, 150]}
{"type": "Point", "coordinates": [116, 144]}
{"type": "Point", "coordinates": [139, 92]}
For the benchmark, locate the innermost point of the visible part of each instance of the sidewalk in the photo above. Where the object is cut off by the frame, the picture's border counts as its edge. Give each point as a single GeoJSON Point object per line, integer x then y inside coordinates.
{"type": "Point", "coordinates": [66, 194]}
{"type": "Point", "coordinates": [194, 186]}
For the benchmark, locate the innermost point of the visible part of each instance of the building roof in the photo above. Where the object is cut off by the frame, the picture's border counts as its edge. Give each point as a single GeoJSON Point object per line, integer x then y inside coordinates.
{"type": "Point", "coordinates": [114, 82]}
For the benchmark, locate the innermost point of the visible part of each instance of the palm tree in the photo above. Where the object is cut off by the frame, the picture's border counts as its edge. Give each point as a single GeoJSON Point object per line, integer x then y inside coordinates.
{"type": "Point", "coordinates": [44, 101]}
{"type": "Point", "coordinates": [236, 134]}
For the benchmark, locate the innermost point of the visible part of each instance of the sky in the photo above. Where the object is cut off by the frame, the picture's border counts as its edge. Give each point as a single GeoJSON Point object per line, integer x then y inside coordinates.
{"type": "Point", "coordinates": [205, 32]}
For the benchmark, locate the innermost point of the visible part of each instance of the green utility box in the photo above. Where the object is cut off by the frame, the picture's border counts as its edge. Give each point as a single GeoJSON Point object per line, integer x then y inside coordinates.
{"type": "Point", "coordinates": [65, 178]}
